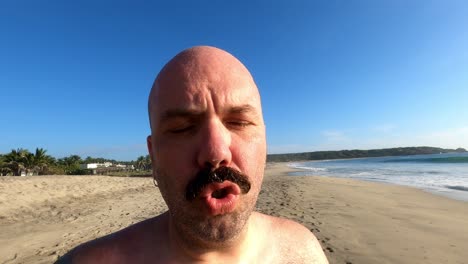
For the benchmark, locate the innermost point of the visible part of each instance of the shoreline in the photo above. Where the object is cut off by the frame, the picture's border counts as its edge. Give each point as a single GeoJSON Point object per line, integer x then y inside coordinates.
{"type": "Point", "coordinates": [367, 222]}
{"type": "Point", "coordinates": [42, 217]}
{"type": "Point", "coordinates": [451, 192]}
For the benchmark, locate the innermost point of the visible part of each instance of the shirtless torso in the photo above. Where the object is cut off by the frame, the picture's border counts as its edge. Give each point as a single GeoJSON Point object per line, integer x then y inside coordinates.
{"type": "Point", "coordinates": [275, 240]}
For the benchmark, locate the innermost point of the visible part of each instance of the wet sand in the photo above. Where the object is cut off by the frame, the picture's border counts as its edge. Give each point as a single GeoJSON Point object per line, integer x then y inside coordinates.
{"type": "Point", "coordinates": [43, 217]}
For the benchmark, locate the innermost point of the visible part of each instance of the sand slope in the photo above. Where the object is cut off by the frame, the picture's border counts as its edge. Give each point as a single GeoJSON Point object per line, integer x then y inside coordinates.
{"type": "Point", "coordinates": [357, 222]}
{"type": "Point", "coordinates": [363, 222]}
{"type": "Point", "coordinates": [43, 217]}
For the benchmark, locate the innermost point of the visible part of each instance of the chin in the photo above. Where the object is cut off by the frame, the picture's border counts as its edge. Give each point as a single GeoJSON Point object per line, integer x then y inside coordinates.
{"type": "Point", "coordinates": [222, 228]}
{"type": "Point", "coordinates": [213, 230]}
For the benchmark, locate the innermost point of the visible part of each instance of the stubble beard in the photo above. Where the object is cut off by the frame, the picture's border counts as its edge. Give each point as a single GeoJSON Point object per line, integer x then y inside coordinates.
{"type": "Point", "coordinates": [194, 227]}
{"type": "Point", "coordinates": [211, 231]}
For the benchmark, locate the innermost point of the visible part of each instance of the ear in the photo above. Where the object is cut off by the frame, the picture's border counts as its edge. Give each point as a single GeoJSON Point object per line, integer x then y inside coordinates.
{"type": "Point", "coordinates": [149, 145]}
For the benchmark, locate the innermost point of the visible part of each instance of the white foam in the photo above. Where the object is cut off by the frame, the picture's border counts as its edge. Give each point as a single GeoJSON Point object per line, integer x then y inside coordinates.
{"type": "Point", "coordinates": [297, 166]}
{"type": "Point", "coordinates": [430, 177]}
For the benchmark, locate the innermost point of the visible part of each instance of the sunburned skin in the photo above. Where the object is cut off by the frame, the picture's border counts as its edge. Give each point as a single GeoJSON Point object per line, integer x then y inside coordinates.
{"type": "Point", "coordinates": [206, 116]}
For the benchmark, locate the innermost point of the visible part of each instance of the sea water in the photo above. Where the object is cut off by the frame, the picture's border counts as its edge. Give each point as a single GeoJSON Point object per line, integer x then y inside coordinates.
{"type": "Point", "coordinates": [444, 174]}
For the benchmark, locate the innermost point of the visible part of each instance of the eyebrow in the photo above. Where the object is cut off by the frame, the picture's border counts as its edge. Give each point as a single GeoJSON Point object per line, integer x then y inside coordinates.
{"type": "Point", "coordinates": [194, 114]}
{"type": "Point", "coordinates": [240, 109]}
{"type": "Point", "coordinates": [180, 113]}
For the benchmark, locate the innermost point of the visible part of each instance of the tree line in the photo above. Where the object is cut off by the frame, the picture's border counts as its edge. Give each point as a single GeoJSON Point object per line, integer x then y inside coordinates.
{"type": "Point", "coordinates": [22, 161]}
{"type": "Point", "coordinates": [357, 153]}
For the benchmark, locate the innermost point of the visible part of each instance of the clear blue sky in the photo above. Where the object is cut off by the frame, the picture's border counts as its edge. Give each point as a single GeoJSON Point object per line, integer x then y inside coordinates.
{"type": "Point", "coordinates": [75, 76]}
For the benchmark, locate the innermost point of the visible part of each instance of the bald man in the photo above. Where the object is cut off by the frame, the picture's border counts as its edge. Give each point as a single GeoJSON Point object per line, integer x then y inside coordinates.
{"type": "Point", "coordinates": [208, 150]}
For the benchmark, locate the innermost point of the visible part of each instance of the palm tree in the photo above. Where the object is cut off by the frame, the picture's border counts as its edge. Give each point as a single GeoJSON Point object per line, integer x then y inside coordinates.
{"type": "Point", "coordinates": [140, 163]}
{"type": "Point", "coordinates": [29, 163]}
{"type": "Point", "coordinates": [70, 163]}
{"type": "Point", "coordinates": [4, 169]}
{"type": "Point", "coordinates": [41, 161]}
{"type": "Point", "coordinates": [21, 160]}
{"type": "Point", "coordinates": [16, 160]}
{"type": "Point", "coordinates": [71, 160]}
{"type": "Point", "coordinates": [147, 162]}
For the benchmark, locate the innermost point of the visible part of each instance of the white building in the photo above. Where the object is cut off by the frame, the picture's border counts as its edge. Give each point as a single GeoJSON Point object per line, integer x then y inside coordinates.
{"type": "Point", "coordinates": [95, 165]}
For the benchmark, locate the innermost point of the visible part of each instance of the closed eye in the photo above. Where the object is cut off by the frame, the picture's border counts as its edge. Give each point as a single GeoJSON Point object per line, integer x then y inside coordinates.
{"type": "Point", "coordinates": [238, 124]}
{"type": "Point", "coordinates": [181, 130]}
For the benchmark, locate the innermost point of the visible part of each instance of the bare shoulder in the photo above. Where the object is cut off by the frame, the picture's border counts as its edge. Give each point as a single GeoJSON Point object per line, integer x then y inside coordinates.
{"type": "Point", "coordinates": [101, 250]}
{"type": "Point", "coordinates": [119, 247]}
{"type": "Point", "coordinates": [295, 242]}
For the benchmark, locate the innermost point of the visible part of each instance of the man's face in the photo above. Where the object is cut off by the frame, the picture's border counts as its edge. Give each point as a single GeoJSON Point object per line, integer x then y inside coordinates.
{"type": "Point", "coordinates": [206, 114]}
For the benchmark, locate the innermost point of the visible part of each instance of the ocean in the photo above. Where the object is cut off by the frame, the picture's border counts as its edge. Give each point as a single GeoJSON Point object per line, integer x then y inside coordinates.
{"type": "Point", "coordinates": [443, 174]}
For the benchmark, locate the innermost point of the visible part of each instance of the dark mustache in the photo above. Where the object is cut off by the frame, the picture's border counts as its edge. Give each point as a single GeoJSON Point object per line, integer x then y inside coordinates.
{"type": "Point", "coordinates": [207, 176]}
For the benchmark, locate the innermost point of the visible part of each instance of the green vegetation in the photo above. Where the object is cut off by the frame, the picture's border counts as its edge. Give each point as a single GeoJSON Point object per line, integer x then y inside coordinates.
{"type": "Point", "coordinates": [143, 163]}
{"type": "Point", "coordinates": [348, 154]}
{"type": "Point", "coordinates": [142, 169]}
{"type": "Point", "coordinates": [23, 162]}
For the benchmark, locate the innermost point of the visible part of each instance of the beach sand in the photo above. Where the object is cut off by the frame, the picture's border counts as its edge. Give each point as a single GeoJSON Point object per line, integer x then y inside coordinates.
{"type": "Point", "coordinates": [43, 217]}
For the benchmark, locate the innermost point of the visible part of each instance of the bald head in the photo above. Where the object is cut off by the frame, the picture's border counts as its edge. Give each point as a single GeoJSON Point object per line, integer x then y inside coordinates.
{"type": "Point", "coordinates": [196, 69]}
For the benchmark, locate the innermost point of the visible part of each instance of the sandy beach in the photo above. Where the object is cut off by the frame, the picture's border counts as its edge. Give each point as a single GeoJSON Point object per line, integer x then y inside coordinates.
{"type": "Point", "coordinates": [43, 217]}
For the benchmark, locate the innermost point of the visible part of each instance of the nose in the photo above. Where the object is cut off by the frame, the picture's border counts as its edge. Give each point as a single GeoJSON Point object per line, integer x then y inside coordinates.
{"type": "Point", "coordinates": [214, 146]}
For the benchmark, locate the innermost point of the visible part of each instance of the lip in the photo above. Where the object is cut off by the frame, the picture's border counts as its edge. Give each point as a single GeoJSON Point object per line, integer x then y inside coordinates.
{"type": "Point", "coordinates": [224, 205]}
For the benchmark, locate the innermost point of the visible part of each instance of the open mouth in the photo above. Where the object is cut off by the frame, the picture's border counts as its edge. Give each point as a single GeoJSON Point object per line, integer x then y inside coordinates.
{"type": "Point", "coordinates": [219, 194]}
{"type": "Point", "coordinates": [220, 198]}
{"type": "Point", "coordinates": [220, 190]}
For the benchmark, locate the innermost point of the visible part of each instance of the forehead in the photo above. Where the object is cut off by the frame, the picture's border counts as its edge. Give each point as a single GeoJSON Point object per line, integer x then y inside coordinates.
{"type": "Point", "coordinates": [202, 92]}
{"type": "Point", "coordinates": [202, 84]}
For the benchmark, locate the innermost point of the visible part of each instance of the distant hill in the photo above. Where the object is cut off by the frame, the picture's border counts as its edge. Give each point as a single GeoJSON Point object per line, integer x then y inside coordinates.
{"type": "Point", "coordinates": [356, 153]}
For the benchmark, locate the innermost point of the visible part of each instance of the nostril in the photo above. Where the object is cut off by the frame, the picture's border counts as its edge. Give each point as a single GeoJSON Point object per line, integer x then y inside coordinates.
{"type": "Point", "coordinates": [209, 166]}
{"type": "Point", "coordinates": [214, 163]}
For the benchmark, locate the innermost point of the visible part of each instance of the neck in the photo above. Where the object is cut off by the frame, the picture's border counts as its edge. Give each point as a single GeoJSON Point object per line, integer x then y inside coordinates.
{"type": "Point", "coordinates": [191, 249]}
